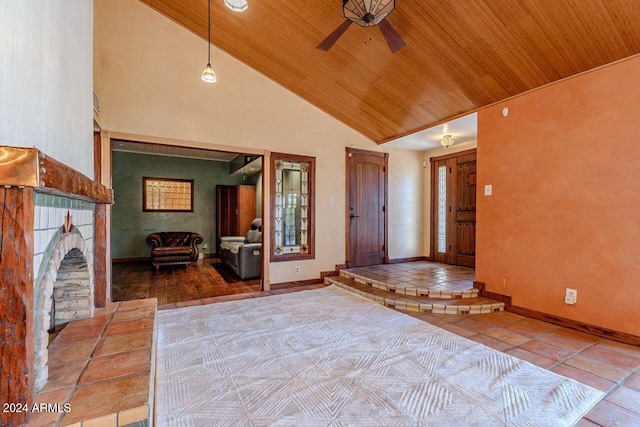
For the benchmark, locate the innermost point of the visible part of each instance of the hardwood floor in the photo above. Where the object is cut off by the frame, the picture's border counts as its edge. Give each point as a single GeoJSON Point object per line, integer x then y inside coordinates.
{"type": "Point", "coordinates": [171, 285]}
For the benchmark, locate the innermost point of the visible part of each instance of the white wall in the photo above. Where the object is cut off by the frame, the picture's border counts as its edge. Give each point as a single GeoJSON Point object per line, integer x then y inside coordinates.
{"type": "Point", "coordinates": [151, 86]}
{"type": "Point", "coordinates": [46, 98]}
{"type": "Point", "coordinates": [406, 219]}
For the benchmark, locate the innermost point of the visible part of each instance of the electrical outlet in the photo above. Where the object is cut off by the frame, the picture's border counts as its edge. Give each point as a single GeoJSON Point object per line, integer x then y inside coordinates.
{"type": "Point", "coordinates": [204, 246]}
{"type": "Point", "coordinates": [571, 296]}
{"type": "Point", "coordinates": [296, 269]}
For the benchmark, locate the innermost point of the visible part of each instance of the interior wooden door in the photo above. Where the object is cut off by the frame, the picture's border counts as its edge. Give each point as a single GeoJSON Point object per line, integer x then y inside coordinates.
{"type": "Point", "coordinates": [453, 214]}
{"type": "Point", "coordinates": [245, 208]}
{"type": "Point", "coordinates": [225, 206]}
{"type": "Point", "coordinates": [366, 219]}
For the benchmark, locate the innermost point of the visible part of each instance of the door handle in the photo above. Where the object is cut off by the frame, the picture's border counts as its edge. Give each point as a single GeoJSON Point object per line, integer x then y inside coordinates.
{"type": "Point", "coordinates": [354, 216]}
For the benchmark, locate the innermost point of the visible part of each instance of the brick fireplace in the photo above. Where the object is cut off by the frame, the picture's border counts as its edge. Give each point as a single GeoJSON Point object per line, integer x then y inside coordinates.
{"type": "Point", "coordinates": [52, 253]}
{"type": "Point", "coordinates": [63, 252]}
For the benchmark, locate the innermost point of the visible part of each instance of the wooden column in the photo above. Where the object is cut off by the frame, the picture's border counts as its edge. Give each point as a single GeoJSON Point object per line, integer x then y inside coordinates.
{"type": "Point", "coordinates": [16, 301]}
{"type": "Point", "coordinates": [100, 297]}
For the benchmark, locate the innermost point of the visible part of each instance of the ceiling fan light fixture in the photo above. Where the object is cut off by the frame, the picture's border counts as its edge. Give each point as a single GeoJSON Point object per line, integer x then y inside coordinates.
{"type": "Point", "coordinates": [367, 13]}
{"type": "Point", "coordinates": [367, 18]}
{"type": "Point", "coordinates": [237, 5]}
{"type": "Point", "coordinates": [447, 141]}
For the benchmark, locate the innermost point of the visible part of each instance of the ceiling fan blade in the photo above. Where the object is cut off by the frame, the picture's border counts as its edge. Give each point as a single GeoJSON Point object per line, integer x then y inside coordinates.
{"type": "Point", "coordinates": [393, 39]}
{"type": "Point", "coordinates": [333, 37]}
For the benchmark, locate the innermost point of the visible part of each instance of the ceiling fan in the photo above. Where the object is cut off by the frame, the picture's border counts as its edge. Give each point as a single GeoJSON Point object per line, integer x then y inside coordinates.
{"type": "Point", "coordinates": [366, 13]}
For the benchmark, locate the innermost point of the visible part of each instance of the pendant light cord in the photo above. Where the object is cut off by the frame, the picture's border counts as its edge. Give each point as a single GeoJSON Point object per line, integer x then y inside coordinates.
{"type": "Point", "coordinates": [209, 32]}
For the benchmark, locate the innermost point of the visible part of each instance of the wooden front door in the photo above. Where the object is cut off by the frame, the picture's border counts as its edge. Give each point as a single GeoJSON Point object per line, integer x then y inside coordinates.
{"type": "Point", "coordinates": [366, 220]}
{"type": "Point", "coordinates": [453, 208]}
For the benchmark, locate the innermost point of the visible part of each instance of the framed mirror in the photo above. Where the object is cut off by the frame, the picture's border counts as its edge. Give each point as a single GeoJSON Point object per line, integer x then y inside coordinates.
{"type": "Point", "coordinates": [292, 207]}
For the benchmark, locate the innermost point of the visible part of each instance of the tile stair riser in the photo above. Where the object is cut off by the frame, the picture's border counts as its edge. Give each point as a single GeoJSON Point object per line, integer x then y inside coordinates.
{"type": "Point", "coordinates": [413, 306]}
{"type": "Point", "coordinates": [421, 307]}
{"type": "Point", "coordinates": [402, 290]}
{"type": "Point", "coordinates": [376, 285]}
{"type": "Point", "coordinates": [426, 307]}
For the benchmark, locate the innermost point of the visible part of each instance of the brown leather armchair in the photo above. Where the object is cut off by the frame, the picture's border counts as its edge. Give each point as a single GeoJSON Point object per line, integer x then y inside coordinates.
{"type": "Point", "coordinates": [174, 248]}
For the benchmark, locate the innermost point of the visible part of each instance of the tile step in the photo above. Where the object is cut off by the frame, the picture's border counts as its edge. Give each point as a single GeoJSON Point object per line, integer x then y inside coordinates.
{"type": "Point", "coordinates": [417, 303]}
{"type": "Point", "coordinates": [409, 290]}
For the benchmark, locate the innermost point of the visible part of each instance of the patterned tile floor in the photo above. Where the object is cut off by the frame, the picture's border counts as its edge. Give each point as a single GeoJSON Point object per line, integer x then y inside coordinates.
{"type": "Point", "coordinates": [607, 365]}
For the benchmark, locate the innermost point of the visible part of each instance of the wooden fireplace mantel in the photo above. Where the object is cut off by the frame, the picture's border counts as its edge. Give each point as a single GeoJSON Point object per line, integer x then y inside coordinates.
{"type": "Point", "coordinates": [29, 167]}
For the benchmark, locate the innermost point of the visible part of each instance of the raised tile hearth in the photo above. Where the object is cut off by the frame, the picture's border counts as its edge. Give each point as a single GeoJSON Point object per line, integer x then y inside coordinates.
{"type": "Point", "coordinates": [101, 369]}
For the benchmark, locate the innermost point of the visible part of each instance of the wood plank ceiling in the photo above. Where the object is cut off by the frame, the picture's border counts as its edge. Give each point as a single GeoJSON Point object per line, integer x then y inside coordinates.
{"type": "Point", "coordinates": [461, 55]}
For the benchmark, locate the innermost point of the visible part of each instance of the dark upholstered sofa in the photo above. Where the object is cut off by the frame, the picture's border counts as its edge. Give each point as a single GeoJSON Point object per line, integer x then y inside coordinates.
{"type": "Point", "coordinates": [174, 248]}
{"type": "Point", "coordinates": [243, 254]}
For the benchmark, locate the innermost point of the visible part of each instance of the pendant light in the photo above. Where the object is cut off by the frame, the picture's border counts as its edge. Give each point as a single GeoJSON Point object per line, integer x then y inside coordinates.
{"type": "Point", "coordinates": [208, 75]}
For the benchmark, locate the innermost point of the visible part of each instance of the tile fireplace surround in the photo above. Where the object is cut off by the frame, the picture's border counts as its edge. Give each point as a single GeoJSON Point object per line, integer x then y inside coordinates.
{"type": "Point", "coordinates": [52, 253]}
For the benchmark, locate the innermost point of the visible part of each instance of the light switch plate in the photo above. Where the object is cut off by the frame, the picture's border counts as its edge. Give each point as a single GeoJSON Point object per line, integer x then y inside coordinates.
{"type": "Point", "coordinates": [488, 190]}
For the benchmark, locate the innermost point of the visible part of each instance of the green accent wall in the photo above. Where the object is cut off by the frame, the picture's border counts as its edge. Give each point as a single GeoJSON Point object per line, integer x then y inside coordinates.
{"type": "Point", "coordinates": [130, 226]}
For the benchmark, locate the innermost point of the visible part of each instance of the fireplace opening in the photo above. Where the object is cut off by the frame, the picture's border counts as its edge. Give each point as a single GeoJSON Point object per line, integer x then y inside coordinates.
{"type": "Point", "coordinates": [65, 294]}
{"type": "Point", "coordinates": [72, 296]}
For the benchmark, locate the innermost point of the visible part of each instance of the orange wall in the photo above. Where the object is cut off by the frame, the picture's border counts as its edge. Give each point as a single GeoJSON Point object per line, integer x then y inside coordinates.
{"type": "Point", "coordinates": [565, 209]}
